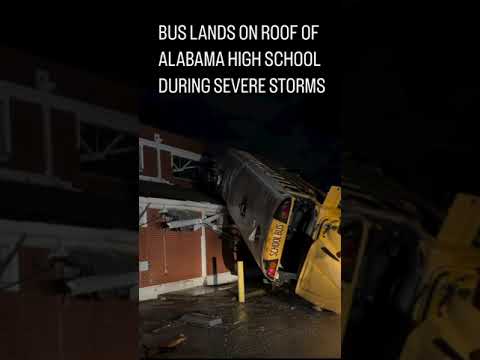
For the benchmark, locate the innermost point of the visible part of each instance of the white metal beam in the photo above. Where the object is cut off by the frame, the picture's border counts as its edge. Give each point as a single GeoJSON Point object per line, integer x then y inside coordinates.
{"type": "Point", "coordinates": [178, 170]}
{"type": "Point", "coordinates": [154, 179]}
{"type": "Point", "coordinates": [183, 223]}
{"type": "Point", "coordinates": [173, 150]}
{"type": "Point", "coordinates": [91, 284]}
{"type": "Point", "coordinates": [186, 166]}
{"type": "Point", "coordinates": [85, 112]}
{"type": "Point", "coordinates": [35, 178]}
{"type": "Point", "coordinates": [160, 203]}
{"type": "Point", "coordinates": [115, 141]}
{"type": "Point", "coordinates": [54, 236]}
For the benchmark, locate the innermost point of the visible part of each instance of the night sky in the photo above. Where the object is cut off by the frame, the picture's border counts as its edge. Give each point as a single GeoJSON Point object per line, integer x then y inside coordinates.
{"type": "Point", "coordinates": [402, 94]}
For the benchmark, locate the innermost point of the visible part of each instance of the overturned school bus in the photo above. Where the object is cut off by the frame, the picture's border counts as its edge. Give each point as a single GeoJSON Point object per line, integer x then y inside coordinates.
{"type": "Point", "coordinates": [288, 226]}
{"type": "Point", "coordinates": [411, 271]}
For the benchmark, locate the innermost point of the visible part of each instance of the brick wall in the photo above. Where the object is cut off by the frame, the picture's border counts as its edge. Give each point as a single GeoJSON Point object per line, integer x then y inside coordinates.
{"type": "Point", "coordinates": [53, 327]}
{"type": "Point", "coordinates": [175, 140]}
{"type": "Point", "coordinates": [172, 255]}
{"type": "Point", "coordinates": [150, 165]}
{"type": "Point", "coordinates": [182, 259]}
{"type": "Point", "coordinates": [27, 118]}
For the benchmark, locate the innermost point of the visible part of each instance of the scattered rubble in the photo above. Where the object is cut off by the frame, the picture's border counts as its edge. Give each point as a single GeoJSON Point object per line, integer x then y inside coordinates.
{"type": "Point", "coordinates": [258, 292]}
{"type": "Point", "coordinates": [162, 347]}
{"type": "Point", "coordinates": [218, 326]}
{"type": "Point", "coordinates": [201, 319]}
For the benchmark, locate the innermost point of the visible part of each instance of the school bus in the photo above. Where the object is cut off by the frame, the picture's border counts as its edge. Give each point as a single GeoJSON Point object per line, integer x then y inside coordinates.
{"type": "Point", "coordinates": [410, 274]}
{"type": "Point", "coordinates": [287, 225]}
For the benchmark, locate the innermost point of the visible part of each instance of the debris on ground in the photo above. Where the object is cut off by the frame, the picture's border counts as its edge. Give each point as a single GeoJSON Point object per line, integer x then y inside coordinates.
{"type": "Point", "coordinates": [150, 322]}
{"type": "Point", "coordinates": [164, 346]}
{"type": "Point", "coordinates": [201, 319]}
{"type": "Point", "coordinates": [174, 342]}
{"type": "Point", "coordinates": [159, 329]}
{"type": "Point", "coordinates": [165, 302]}
{"type": "Point", "coordinates": [177, 297]}
{"type": "Point", "coordinates": [243, 331]}
{"type": "Point", "coordinates": [251, 294]}
{"type": "Point", "coordinates": [258, 292]}
{"type": "Point", "coordinates": [226, 287]}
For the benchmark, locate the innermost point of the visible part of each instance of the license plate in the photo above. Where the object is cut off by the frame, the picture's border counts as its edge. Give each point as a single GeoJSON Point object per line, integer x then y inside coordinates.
{"type": "Point", "coordinates": [275, 240]}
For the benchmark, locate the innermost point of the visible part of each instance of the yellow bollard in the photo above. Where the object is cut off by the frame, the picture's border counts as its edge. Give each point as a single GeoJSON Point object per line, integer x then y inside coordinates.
{"type": "Point", "coordinates": [241, 282]}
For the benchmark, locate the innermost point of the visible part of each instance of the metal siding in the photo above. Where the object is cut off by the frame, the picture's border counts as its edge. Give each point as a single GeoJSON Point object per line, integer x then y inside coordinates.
{"type": "Point", "coordinates": [243, 177]}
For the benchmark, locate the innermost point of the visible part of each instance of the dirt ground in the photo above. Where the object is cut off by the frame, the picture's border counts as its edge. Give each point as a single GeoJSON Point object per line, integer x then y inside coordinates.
{"type": "Point", "coordinates": [266, 325]}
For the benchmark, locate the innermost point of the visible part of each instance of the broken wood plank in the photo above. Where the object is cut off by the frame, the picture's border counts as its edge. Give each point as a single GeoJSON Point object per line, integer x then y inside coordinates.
{"type": "Point", "coordinates": [165, 346]}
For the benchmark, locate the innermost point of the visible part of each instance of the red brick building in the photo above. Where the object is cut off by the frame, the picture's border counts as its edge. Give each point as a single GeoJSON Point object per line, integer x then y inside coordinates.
{"type": "Point", "coordinates": [62, 131]}
{"type": "Point", "coordinates": [179, 242]}
{"type": "Point", "coordinates": [62, 134]}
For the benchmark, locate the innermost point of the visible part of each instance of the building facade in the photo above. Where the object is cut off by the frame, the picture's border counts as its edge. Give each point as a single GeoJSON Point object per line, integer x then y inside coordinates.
{"type": "Point", "coordinates": [180, 245]}
{"type": "Point", "coordinates": [62, 132]}
{"type": "Point", "coordinates": [67, 212]}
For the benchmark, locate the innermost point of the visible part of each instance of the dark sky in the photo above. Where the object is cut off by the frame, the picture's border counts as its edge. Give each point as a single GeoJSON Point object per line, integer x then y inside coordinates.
{"type": "Point", "coordinates": [403, 93]}
{"type": "Point", "coordinates": [299, 131]}
{"type": "Point", "coordinates": [410, 95]}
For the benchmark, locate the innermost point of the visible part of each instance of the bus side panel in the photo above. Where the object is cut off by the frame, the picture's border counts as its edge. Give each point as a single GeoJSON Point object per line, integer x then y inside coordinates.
{"type": "Point", "coordinates": [251, 200]}
{"type": "Point", "coordinates": [320, 279]}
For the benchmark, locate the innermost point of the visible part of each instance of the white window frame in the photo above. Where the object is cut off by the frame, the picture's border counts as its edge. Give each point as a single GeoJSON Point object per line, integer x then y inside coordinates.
{"type": "Point", "coordinates": [157, 178]}
{"type": "Point", "coordinates": [187, 166]}
{"type": "Point", "coordinates": [6, 127]}
{"type": "Point", "coordinates": [159, 145]}
{"type": "Point", "coordinates": [84, 112]}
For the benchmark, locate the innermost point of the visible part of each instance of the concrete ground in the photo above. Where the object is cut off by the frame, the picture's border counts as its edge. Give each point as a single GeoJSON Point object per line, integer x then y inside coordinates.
{"type": "Point", "coordinates": [269, 325]}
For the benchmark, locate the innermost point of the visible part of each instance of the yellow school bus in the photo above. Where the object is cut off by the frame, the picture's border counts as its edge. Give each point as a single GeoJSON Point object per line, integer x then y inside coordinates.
{"type": "Point", "coordinates": [410, 274]}
{"type": "Point", "coordinates": [288, 225]}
